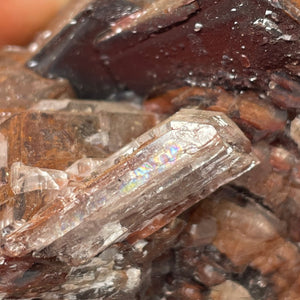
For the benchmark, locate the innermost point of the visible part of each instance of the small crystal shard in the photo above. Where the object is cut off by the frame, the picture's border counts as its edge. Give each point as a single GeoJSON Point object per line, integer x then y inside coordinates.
{"type": "Point", "coordinates": [26, 179]}
{"type": "Point", "coordinates": [193, 151]}
{"type": "Point", "coordinates": [84, 167]}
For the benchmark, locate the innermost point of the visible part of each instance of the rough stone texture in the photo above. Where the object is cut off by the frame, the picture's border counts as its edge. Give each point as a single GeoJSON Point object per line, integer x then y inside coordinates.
{"type": "Point", "coordinates": [241, 228]}
{"type": "Point", "coordinates": [252, 112]}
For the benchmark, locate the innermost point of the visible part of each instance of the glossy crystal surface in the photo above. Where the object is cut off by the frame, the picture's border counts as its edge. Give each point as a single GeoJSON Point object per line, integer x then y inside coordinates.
{"type": "Point", "coordinates": [54, 134]}
{"type": "Point", "coordinates": [202, 150]}
{"type": "Point", "coordinates": [240, 58]}
{"type": "Point", "coordinates": [143, 47]}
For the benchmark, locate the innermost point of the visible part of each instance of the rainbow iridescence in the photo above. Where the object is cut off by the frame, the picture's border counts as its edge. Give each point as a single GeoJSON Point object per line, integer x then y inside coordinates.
{"type": "Point", "coordinates": [157, 164]}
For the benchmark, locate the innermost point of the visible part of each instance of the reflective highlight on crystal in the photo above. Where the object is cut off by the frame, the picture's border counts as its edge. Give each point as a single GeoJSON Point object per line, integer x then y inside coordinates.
{"type": "Point", "coordinates": [193, 151]}
{"type": "Point", "coordinates": [26, 179]}
{"type": "Point", "coordinates": [160, 162]}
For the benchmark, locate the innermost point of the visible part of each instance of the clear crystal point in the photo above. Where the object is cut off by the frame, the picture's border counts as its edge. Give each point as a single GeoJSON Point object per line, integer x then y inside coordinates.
{"type": "Point", "coordinates": [191, 152]}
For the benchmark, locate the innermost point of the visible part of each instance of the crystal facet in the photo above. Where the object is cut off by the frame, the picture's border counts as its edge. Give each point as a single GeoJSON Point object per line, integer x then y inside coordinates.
{"type": "Point", "coordinates": [139, 46]}
{"type": "Point", "coordinates": [54, 134]}
{"type": "Point", "coordinates": [25, 179]}
{"type": "Point", "coordinates": [202, 150]}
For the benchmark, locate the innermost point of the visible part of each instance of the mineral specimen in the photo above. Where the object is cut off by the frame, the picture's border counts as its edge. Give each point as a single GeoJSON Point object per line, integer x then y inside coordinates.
{"type": "Point", "coordinates": [202, 150]}
{"type": "Point", "coordinates": [76, 223]}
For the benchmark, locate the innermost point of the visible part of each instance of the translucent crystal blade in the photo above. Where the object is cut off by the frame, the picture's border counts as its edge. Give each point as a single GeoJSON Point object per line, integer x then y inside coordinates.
{"type": "Point", "coordinates": [193, 151]}
{"type": "Point", "coordinates": [83, 167]}
{"type": "Point", "coordinates": [29, 184]}
{"type": "Point", "coordinates": [26, 179]}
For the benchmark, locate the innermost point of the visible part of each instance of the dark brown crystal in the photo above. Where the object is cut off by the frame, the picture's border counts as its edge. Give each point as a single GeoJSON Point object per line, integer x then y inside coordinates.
{"type": "Point", "coordinates": [239, 44]}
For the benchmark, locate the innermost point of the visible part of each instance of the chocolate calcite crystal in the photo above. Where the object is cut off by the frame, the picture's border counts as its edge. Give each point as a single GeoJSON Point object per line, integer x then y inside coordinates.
{"type": "Point", "coordinates": [275, 183]}
{"type": "Point", "coordinates": [199, 150]}
{"type": "Point", "coordinates": [251, 236]}
{"type": "Point", "coordinates": [252, 112]}
{"type": "Point", "coordinates": [150, 47]}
